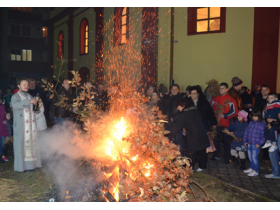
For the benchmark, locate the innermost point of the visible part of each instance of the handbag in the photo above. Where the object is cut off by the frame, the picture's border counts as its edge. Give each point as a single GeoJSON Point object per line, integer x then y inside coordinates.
{"type": "Point", "coordinates": [212, 147]}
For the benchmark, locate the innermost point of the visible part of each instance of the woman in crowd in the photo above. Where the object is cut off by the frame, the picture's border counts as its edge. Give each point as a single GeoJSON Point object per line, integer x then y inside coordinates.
{"type": "Point", "coordinates": [196, 140]}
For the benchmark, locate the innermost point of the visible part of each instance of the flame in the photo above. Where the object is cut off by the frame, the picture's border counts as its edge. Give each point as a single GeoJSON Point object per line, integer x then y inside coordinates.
{"type": "Point", "coordinates": [134, 158]}
{"type": "Point", "coordinates": [114, 149]}
{"type": "Point", "coordinates": [116, 188]}
{"type": "Point", "coordinates": [147, 174]}
{"type": "Point", "coordinates": [142, 192]}
{"type": "Point", "coordinates": [120, 129]}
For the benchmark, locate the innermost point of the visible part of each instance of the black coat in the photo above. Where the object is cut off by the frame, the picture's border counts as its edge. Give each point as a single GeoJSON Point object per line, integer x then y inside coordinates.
{"type": "Point", "coordinates": [63, 112]}
{"type": "Point", "coordinates": [196, 137]}
{"type": "Point", "coordinates": [171, 105]}
{"type": "Point", "coordinates": [205, 111]}
{"type": "Point", "coordinates": [260, 103]}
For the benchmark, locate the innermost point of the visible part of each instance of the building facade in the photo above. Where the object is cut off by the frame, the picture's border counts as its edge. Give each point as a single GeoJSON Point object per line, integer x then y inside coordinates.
{"type": "Point", "coordinates": [188, 46]}
{"type": "Point", "coordinates": [24, 43]}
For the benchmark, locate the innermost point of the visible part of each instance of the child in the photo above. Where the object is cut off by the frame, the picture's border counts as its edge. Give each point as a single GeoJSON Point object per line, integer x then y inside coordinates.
{"type": "Point", "coordinates": [9, 126]}
{"type": "Point", "coordinates": [237, 147]}
{"type": "Point", "coordinates": [253, 138]}
{"type": "Point", "coordinates": [272, 110]}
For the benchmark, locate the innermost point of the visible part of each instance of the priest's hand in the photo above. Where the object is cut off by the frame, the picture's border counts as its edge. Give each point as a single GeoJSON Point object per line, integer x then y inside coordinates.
{"type": "Point", "coordinates": [33, 101]}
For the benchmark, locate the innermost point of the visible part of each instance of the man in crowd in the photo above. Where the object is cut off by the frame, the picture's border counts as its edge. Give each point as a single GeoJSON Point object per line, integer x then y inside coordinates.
{"type": "Point", "coordinates": [62, 114]}
{"type": "Point", "coordinates": [101, 97]}
{"type": "Point", "coordinates": [256, 91]}
{"type": "Point", "coordinates": [234, 91]}
{"type": "Point", "coordinates": [227, 105]}
{"type": "Point", "coordinates": [27, 157]}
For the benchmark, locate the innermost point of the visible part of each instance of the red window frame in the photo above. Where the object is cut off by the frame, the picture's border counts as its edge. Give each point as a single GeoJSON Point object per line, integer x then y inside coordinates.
{"type": "Point", "coordinates": [60, 44]}
{"type": "Point", "coordinates": [83, 38]}
{"type": "Point", "coordinates": [192, 19]}
{"type": "Point", "coordinates": [118, 26]}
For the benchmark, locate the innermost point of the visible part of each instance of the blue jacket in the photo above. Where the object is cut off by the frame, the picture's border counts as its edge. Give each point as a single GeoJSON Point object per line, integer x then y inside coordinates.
{"type": "Point", "coordinates": [238, 128]}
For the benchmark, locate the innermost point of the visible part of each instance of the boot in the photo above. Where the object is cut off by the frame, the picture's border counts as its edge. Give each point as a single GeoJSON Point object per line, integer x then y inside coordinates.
{"type": "Point", "coordinates": [242, 167]}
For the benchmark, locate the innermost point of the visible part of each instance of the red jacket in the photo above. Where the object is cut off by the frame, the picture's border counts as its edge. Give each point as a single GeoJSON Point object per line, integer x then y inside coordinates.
{"type": "Point", "coordinates": [230, 110]}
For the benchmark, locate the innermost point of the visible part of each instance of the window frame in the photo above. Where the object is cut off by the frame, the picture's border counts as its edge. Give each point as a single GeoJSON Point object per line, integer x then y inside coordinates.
{"type": "Point", "coordinates": [20, 30]}
{"type": "Point", "coordinates": [62, 45]}
{"type": "Point", "coordinates": [83, 37]}
{"type": "Point", "coordinates": [192, 21]}
{"type": "Point", "coordinates": [118, 26]}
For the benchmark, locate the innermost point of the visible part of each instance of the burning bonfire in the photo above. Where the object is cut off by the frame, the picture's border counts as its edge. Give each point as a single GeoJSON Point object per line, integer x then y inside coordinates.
{"type": "Point", "coordinates": [138, 162]}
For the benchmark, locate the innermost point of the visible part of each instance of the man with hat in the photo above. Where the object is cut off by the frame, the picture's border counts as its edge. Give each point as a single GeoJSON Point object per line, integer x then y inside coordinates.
{"type": "Point", "coordinates": [234, 91]}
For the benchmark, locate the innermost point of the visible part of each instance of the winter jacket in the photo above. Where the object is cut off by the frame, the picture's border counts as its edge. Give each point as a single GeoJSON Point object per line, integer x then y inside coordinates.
{"type": "Point", "coordinates": [205, 111]}
{"type": "Point", "coordinates": [254, 133]}
{"type": "Point", "coordinates": [238, 128]}
{"type": "Point", "coordinates": [171, 105]}
{"type": "Point", "coordinates": [230, 110]}
{"type": "Point", "coordinates": [272, 109]}
{"type": "Point", "coordinates": [3, 129]}
{"type": "Point", "coordinates": [196, 136]}
{"type": "Point", "coordinates": [63, 112]}
{"type": "Point", "coordinates": [236, 95]}
{"type": "Point", "coordinates": [260, 103]}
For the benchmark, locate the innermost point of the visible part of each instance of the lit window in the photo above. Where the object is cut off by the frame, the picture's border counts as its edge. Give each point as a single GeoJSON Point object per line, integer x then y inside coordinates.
{"type": "Point", "coordinates": [206, 20]}
{"type": "Point", "coordinates": [13, 55]}
{"type": "Point", "coordinates": [23, 55]}
{"type": "Point", "coordinates": [45, 32]}
{"type": "Point", "coordinates": [18, 55]}
{"type": "Point", "coordinates": [29, 55]}
{"type": "Point", "coordinates": [60, 45]}
{"type": "Point", "coordinates": [84, 37]}
{"type": "Point", "coordinates": [121, 25]}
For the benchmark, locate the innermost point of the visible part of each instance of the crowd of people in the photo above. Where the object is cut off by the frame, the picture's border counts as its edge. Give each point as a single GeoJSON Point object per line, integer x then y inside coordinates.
{"type": "Point", "coordinates": [245, 122]}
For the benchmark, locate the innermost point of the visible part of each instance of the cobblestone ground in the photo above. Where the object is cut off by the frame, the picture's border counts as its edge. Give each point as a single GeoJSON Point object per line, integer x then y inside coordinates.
{"type": "Point", "coordinates": [260, 185]}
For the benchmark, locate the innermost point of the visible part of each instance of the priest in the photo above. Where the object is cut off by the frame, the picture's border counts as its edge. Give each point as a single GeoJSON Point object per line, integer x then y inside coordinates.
{"type": "Point", "coordinates": [27, 157]}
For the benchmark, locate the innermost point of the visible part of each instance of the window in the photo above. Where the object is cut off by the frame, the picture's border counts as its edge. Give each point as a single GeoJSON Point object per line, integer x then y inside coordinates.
{"type": "Point", "coordinates": [26, 30]}
{"type": "Point", "coordinates": [124, 25]}
{"type": "Point", "coordinates": [45, 32]}
{"type": "Point", "coordinates": [15, 30]}
{"type": "Point", "coordinates": [121, 25]}
{"type": "Point", "coordinates": [23, 9]}
{"type": "Point", "coordinates": [206, 20]}
{"type": "Point", "coordinates": [84, 37]}
{"type": "Point", "coordinates": [20, 30]}
{"type": "Point", "coordinates": [21, 55]}
{"type": "Point", "coordinates": [60, 45]}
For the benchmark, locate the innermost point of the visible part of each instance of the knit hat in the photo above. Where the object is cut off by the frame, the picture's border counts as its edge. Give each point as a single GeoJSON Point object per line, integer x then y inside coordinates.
{"type": "Point", "coordinates": [243, 114]}
{"type": "Point", "coordinates": [236, 81]}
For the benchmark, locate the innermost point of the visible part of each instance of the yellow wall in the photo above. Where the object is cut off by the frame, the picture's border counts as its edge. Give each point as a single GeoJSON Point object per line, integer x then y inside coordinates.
{"type": "Point", "coordinates": [199, 58]}
{"type": "Point", "coordinates": [164, 37]}
{"type": "Point", "coordinates": [87, 60]}
{"type": "Point", "coordinates": [56, 63]}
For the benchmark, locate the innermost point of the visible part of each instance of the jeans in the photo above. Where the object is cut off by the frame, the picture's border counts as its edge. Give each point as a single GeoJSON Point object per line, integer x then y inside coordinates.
{"type": "Point", "coordinates": [253, 154]}
{"type": "Point", "coordinates": [274, 159]}
{"type": "Point", "coordinates": [227, 144]}
{"type": "Point", "coordinates": [60, 121]}
{"type": "Point", "coordinates": [2, 140]}
{"type": "Point", "coordinates": [180, 140]}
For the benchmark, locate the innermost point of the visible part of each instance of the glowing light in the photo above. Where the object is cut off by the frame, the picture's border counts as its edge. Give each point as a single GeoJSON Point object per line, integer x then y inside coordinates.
{"type": "Point", "coordinates": [134, 158]}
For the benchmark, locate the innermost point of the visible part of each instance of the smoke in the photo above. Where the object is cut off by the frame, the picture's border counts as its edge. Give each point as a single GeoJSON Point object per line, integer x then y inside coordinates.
{"type": "Point", "coordinates": [60, 158]}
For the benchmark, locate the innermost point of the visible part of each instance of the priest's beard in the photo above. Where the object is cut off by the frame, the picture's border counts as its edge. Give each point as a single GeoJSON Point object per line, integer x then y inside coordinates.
{"type": "Point", "coordinates": [23, 91]}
